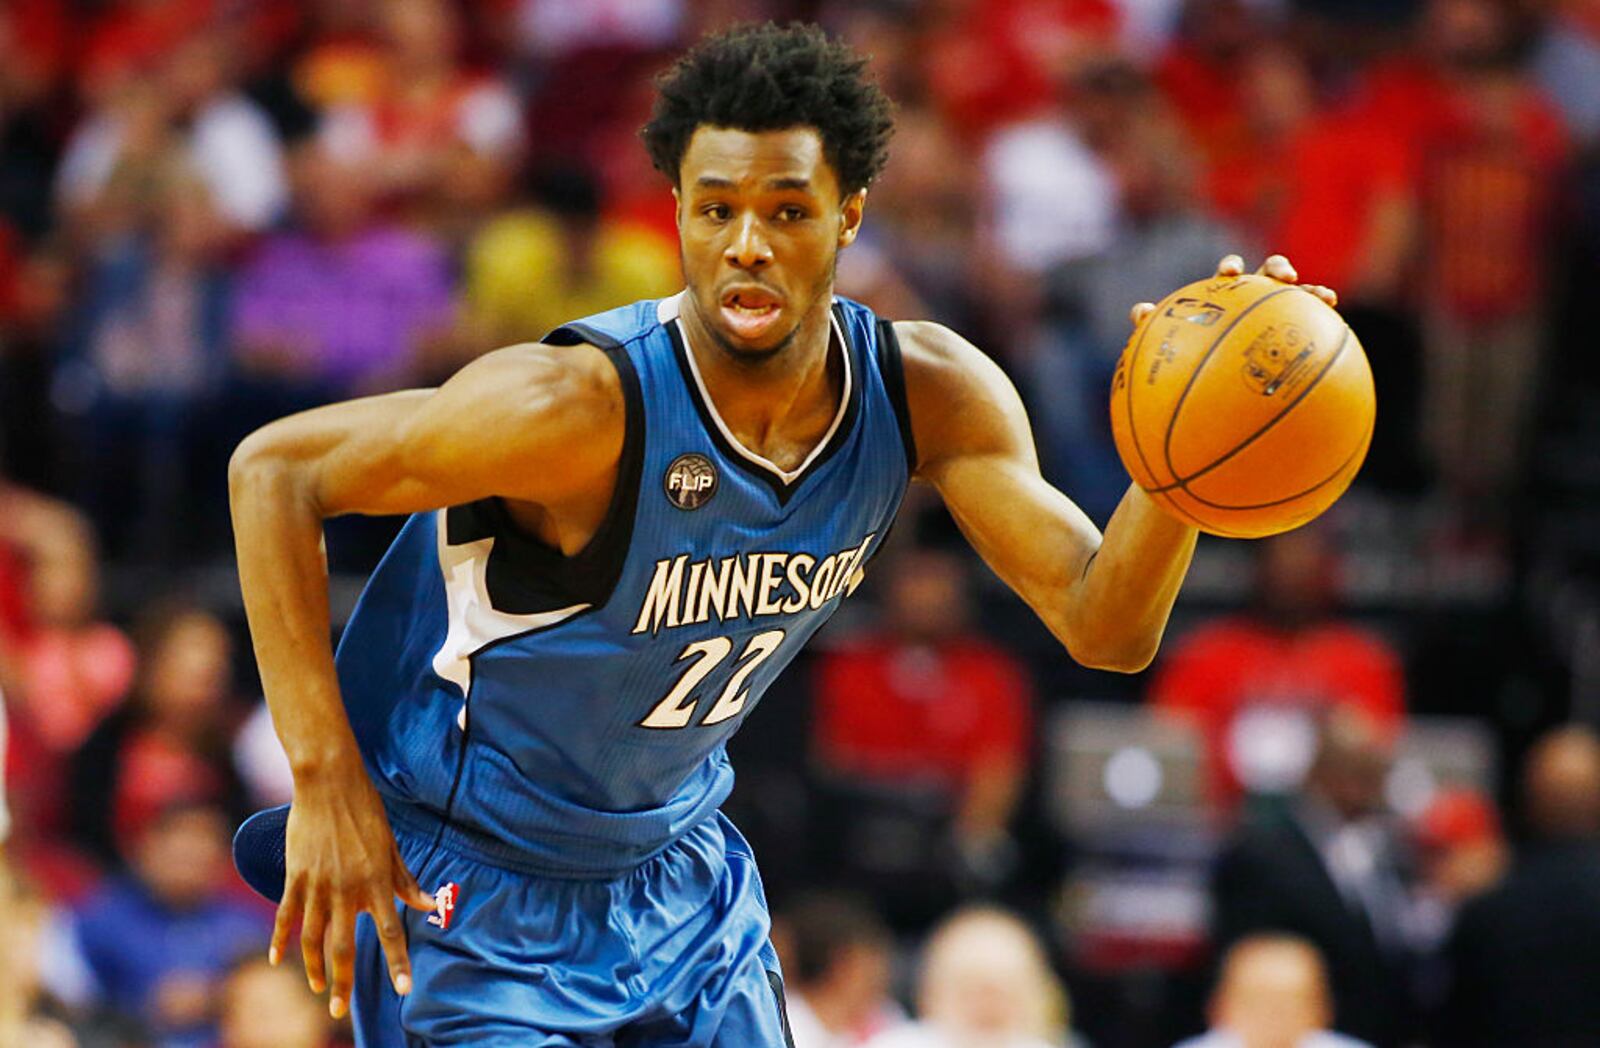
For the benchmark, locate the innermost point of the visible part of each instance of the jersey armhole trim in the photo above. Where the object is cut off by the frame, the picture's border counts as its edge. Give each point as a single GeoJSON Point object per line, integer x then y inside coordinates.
{"type": "Point", "coordinates": [603, 559]}
{"type": "Point", "coordinates": [577, 334]}
{"type": "Point", "coordinates": [892, 368]}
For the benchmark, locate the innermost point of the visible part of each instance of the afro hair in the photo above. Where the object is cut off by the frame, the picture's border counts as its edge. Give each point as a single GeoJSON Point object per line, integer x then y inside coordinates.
{"type": "Point", "coordinates": [769, 77]}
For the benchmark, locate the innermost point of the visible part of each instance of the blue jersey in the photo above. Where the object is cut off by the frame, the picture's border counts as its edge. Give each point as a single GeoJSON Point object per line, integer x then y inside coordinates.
{"type": "Point", "coordinates": [570, 714]}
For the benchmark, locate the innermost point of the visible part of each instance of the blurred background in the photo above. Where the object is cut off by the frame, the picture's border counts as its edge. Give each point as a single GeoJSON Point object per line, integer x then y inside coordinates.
{"type": "Point", "coordinates": [1358, 790]}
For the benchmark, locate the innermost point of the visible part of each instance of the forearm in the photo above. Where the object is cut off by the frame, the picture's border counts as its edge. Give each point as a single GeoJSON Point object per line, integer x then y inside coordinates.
{"type": "Point", "coordinates": [1122, 600]}
{"type": "Point", "coordinates": [284, 578]}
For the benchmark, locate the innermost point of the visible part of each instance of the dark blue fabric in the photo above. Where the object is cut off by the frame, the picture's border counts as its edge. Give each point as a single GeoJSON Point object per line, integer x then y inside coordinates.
{"type": "Point", "coordinates": [258, 851]}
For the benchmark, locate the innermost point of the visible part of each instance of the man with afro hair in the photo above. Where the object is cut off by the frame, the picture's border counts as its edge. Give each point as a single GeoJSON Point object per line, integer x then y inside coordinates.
{"type": "Point", "coordinates": [619, 535]}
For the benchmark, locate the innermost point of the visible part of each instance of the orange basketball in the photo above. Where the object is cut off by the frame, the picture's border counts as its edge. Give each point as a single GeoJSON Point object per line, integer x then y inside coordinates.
{"type": "Point", "coordinates": [1244, 406]}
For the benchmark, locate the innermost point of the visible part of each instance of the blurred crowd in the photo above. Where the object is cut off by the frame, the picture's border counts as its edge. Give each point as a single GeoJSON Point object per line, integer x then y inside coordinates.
{"type": "Point", "coordinates": [216, 212]}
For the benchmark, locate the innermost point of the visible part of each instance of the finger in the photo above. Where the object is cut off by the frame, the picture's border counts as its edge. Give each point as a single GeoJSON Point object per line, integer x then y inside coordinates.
{"type": "Point", "coordinates": [341, 948]}
{"type": "Point", "coordinates": [1141, 312]}
{"type": "Point", "coordinates": [311, 938]}
{"type": "Point", "coordinates": [1278, 268]}
{"type": "Point", "coordinates": [283, 924]}
{"type": "Point", "coordinates": [391, 933]}
{"type": "Point", "coordinates": [1327, 294]}
{"type": "Point", "coordinates": [1230, 266]}
{"type": "Point", "coordinates": [406, 889]}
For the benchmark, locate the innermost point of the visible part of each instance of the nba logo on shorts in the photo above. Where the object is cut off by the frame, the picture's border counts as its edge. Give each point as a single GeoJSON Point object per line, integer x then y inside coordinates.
{"type": "Point", "coordinates": [691, 480]}
{"type": "Point", "coordinates": [444, 905]}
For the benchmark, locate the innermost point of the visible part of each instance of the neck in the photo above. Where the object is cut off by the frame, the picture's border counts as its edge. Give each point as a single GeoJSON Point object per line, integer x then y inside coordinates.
{"type": "Point", "coordinates": [779, 395]}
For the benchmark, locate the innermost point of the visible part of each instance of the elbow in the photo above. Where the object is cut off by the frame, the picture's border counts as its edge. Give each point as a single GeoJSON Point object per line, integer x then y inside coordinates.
{"type": "Point", "coordinates": [249, 461]}
{"type": "Point", "coordinates": [1113, 654]}
{"type": "Point", "coordinates": [256, 465]}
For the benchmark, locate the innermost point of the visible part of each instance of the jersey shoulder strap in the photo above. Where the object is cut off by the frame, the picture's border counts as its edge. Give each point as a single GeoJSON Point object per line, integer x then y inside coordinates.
{"type": "Point", "coordinates": [609, 329]}
{"type": "Point", "coordinates": [868, 329]}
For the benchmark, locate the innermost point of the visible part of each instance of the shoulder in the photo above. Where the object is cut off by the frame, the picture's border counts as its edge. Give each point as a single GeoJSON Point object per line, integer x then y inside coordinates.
{"type": "Point", "coordinates": [959, 399]}
{"type": "Point", "coordinates": [929, 344]}
{"type": "Point", "coordinates": [531, 422]}
{"type": "Point", "coordinates": [525, 403]}
{"type": "Point", "coordinates": [578, 382]}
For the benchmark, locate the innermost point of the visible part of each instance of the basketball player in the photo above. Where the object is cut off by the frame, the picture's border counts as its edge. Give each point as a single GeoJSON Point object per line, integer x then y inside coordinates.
{"type": "Point", "coordinates": [619, 536]}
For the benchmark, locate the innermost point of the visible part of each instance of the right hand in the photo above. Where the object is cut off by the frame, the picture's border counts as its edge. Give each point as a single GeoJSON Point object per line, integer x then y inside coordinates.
{"type": "Point", "coordinates": [1276, 266]}
{"type": "Point", "coordinates": [342, 860]}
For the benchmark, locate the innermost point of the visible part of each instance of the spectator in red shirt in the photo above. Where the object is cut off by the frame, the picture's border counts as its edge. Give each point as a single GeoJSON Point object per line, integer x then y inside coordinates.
{"type": "Point", "coordinates": [923, 725]}
{"type": "Point", "coordinates": [1328, 187]}
{"type": "Point", "coordinates": [1256, 684]}
{"type": "Point", "coordinates": [1198, 75]}
{"type": "Point", "coordinates": [1490, 152]}
{"type": "Point", "coordinates": [990, 62]}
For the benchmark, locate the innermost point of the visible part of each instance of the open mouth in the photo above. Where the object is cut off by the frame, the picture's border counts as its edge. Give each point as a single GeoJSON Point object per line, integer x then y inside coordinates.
{"type": "Point", "coordinates": [750, 311]}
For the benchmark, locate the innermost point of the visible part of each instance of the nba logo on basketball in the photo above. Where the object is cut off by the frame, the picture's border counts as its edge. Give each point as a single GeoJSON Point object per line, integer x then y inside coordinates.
{"type": "Point", "coordinates": [691, 481]}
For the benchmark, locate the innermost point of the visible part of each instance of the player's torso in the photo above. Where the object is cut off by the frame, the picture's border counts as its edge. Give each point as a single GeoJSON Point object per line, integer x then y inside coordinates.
{"type": "Point", "coordinates": [593, 694]}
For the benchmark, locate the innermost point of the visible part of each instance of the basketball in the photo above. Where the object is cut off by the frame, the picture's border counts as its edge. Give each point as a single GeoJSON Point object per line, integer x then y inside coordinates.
{"type": "Point", "coordinates": [1244, 406]}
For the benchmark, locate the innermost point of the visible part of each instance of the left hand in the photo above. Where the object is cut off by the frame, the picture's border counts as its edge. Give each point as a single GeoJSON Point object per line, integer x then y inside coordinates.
{"type": "Point", "coordinates": [1276, 267]}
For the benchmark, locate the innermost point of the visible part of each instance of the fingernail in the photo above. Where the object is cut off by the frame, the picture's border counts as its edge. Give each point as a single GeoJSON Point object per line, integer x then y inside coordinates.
{"type": "Point", "coordinates": [336, 1007]}
{"type": "Point", "coordinates": [402, 984]}
{"type": "Point", "coordinates": [273, 956]}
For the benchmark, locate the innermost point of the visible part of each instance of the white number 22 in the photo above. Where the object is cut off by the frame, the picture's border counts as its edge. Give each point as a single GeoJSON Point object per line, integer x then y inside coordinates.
{"type": "Point", "coordinates": [677, 708]}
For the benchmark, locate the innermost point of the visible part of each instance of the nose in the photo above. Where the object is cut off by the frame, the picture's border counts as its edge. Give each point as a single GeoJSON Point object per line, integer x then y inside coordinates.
{"type": "Point", "coordinates": [748, 247]}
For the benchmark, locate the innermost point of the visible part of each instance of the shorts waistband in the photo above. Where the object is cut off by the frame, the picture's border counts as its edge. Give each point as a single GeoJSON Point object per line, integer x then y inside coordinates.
{"type": "Point", "coordinates": [471, 844]}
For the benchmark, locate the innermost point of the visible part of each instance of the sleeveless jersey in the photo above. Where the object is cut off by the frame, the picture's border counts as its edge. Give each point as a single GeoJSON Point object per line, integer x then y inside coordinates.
{"type": "Point", "coordinates": [569, 715]}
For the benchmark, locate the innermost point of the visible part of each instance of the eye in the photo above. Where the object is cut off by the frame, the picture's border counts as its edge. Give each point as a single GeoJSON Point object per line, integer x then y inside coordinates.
{"type": "Point", "coordinates": [791, 213]}
{"type": "Point", "coordinates": [717, 212]}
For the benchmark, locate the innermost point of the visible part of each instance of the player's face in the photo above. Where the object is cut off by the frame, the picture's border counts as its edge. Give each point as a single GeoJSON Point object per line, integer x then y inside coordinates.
{"type": "Point", "coordinates": [761, 220]}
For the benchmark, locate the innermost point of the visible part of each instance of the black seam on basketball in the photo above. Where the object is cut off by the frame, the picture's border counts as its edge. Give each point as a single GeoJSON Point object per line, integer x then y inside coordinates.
{"type": "Point", "coordinates": [1177, 408]}
{"type": "Point", "coordinates": [1338, 351]}
{"type": "Point", "coordinates": [1133, 431]}
{"type": "Point", "coordinates": [1353, 456]}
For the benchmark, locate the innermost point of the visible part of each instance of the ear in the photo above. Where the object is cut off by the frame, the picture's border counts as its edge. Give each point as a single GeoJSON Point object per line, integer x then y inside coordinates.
{"type": "Point", "coordinates": [677, 208]}
{"type": "Point", "coordinates": [852, 211]}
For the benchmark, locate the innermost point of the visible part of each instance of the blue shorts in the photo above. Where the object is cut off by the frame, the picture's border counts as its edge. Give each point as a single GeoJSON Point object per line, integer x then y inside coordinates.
{"type": "Point", "coordinates": [674, 952]}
